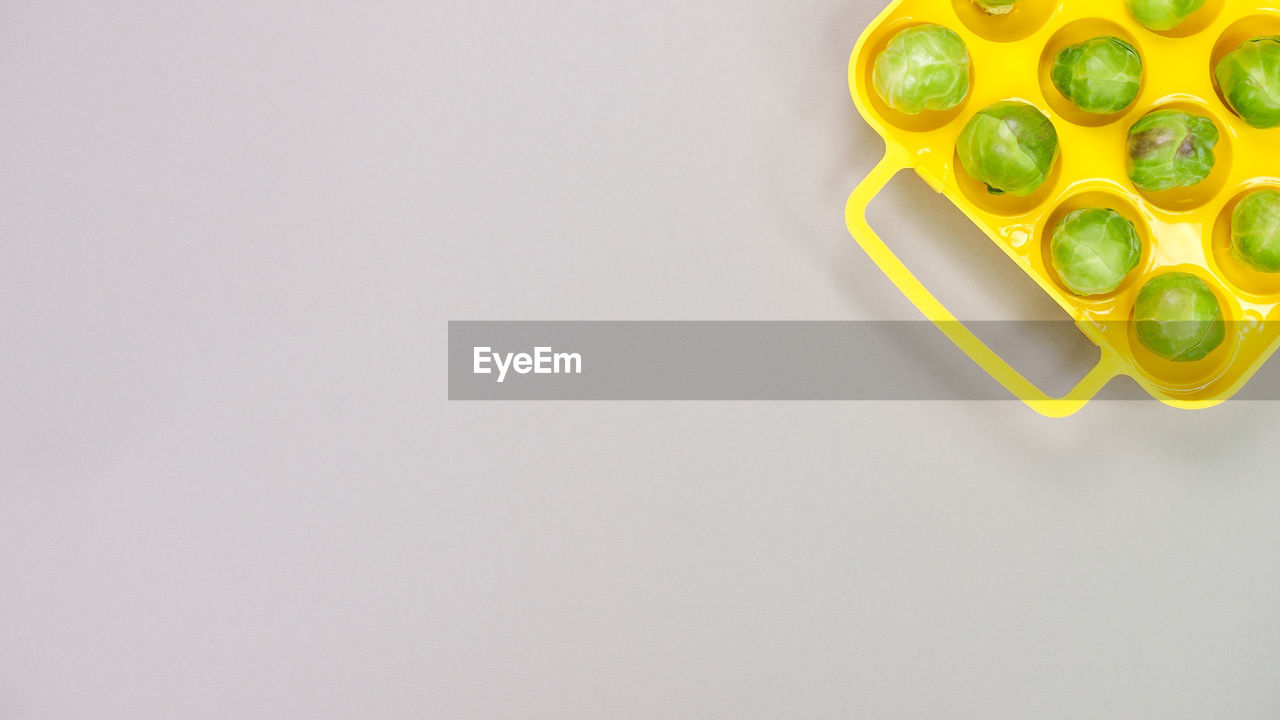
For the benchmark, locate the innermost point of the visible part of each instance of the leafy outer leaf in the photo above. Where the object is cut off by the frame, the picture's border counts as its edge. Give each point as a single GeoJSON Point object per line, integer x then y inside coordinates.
{"type": "Point", "coordinates": [1250, 80]}
{"type": "Point", "coordinates": [1094, 250]}
{"type": "Point", "coordinates": [996, 7]}
{"type": "Point", "coordinates": [1171, 149]}
{"type": "Point", "coordinates": [1102, 75]}
{"type": "Point", "coordinates": [925, 67]}
{"type": "Point", "coordinates": [1255, 231]}
{"type": "Point", "coordinates": [1011, 146]}
{"type": "Point", "coordinates": [1163, 15]}
{"type": "Point", "coordinates": [1179, 318]}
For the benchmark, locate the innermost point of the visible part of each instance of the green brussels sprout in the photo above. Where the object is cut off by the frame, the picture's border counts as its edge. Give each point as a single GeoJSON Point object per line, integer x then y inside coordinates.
{"type": "Point", "coordinates": [1171, 149]}
{"type": "Point", "coordinates": [1178, 317]}
{"type": "Point", "coordinates": [1250, 81]}
{"type": "Point", "coordinates": [1161, 15]}
{"type": "Point", "coordinates": [1011, 146]}
{"type": "Point", "coordinates": [1101, 76]}
{"type": "Point", "coordinates": [996, 7]}
{"type": "Point", "coordinates": [1255, 231]}
{"type": "Point", "coordinates": [925, 67]}
{"type": "Point", "coordinates": [1094, 250]}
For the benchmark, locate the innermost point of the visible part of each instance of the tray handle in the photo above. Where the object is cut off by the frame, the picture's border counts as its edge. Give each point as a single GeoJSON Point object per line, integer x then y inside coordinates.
{"type": "Point", "coordinates": [986, 358]}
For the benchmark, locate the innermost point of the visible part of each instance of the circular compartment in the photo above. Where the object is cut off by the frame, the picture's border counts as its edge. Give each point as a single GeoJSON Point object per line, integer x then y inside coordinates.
{"type": "Point", "coordinates": [1238, 33]}
{"type": "Point", "coordinates": [1072, 34]}
{"type": "Point", "coordinates": [927, 121]}
{"type": "Point", "coordinates": [1189, 378]}
{"type": "Point", "coordinates": [1197, 22]}
{"type": "Point", "coordinates": [1252, 282]}
{"type": "Point", "coordinates": [1096, 198]}
{"type": "Point", "coordinates": [1190, 198]}
{"type": "Point", "coordinates": [1024, 20]}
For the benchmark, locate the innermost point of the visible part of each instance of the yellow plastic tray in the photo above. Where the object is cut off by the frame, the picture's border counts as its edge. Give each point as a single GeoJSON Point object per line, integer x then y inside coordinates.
{"type": "Point", "coordinates": [1184, 230]}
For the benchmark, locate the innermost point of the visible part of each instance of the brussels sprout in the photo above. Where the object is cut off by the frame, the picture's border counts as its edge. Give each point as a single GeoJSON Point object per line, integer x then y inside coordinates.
{"type": "Point", "coordinates": [1171, 149]}
{"type": "Point", "coordinates": [1100, 76]}
{"type": "Point", "coordinates": [996, 7]}
{"type": "Point", "coordinates": [1162, 15]}
{"type": "Point", "coordinates": [1178, 317]}
{"type": "Point", "coordinates": [1011, 146]}
{"type": "Point", "coordinates": [1255, 231]}
{"type": "Point", "coordinates": [1093, 250]}
{"type": "Point", "coordinates": [1250, 81]}
{"type": "Point", "coordinates": [925, 67]}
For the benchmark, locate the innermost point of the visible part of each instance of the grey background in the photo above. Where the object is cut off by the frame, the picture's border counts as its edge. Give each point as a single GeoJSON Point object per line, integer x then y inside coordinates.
{"type": "Point", "coordinates": [231, 484]}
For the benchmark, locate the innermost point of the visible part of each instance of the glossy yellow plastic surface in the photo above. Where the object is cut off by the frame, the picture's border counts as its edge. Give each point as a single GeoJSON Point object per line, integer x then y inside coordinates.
{"type": "Point", "coordinates": [1185, 230]}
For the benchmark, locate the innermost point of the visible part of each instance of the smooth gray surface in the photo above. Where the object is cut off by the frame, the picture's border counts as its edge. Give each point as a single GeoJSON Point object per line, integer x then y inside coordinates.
{"type": "Point", "coordinates": [231, 485]}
